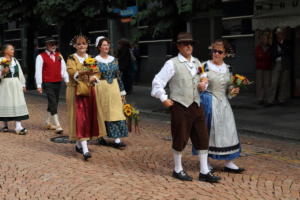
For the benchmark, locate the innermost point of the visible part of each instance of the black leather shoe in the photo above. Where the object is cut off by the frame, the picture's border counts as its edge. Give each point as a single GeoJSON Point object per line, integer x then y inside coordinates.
{"type": "Point", "coordinates": [212, 170]}
{"type": "Point", "coordinates": [119, 145]}
{"type": "Point", "coordinates": [183, 176]}
{"type": "Point", "coordinates": [103, 142]}
{"type": "Point", "coordinates": [235, 171]}
{"type": "Point", "coordinates": [78, 150]}
{"type": "Point", "coordinates": [86, 156]}
{"type": "Point", "coordinates": [5, 129]}
{"type": "Point", "coordinates": [209, 177]}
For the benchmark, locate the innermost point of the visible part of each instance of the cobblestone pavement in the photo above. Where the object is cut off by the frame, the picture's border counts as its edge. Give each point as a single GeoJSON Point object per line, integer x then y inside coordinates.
{"type": "Point", "coordinates": [32, 167]}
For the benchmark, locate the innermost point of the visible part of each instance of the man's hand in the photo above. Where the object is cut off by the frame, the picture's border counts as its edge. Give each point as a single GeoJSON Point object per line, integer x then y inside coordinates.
{"type": "Point", "coordinates": [168, 103]}
{"type": "Point", "coordinates": [40, 90]}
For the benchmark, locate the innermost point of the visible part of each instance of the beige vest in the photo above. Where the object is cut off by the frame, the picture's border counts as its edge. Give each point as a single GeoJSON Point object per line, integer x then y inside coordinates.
{"type": "Point", "coordinates": [183, 86]}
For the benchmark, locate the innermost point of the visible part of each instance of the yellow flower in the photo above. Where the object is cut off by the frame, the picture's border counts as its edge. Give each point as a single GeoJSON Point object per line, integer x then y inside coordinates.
{"type": "Point", "coordinates": [240, 77]}
{"type": "Point", "coordinates": [90, 61]}
{"type": "Point", "coordinates": [128, 112]}
{"type": "Point", "coordinates": [127, 106]}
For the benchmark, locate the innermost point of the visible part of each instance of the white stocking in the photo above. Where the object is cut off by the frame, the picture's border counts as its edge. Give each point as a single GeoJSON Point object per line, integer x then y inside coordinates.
{"type": "Point", "coordinates": [177, 161]}
{"type": "Point", "coordinates": [203, 154]}
{"type": "Point", "coordinates": [18, 125]}
{"type": "Point", "coordinates": [84, 146]}
{"type": "Point", "coordinates": [231, 165]}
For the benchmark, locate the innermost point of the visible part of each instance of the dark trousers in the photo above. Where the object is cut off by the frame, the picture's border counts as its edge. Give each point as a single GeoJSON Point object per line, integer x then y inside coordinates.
{"type": "Point", "coordinates": [52, 91]}
{"type": "Point", "coordinates": [188, 123]}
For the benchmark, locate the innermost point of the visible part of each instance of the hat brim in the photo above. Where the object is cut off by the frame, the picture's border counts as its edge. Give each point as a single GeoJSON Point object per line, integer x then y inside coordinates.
{"type": "Point", "coordinates": [50, 41]}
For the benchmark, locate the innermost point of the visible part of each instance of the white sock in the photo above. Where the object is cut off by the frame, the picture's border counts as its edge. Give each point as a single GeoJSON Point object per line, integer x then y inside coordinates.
{"type": "Point", "coordinates": [84, 146]}
{"type": "Point", "coordinates": [56, 121]}
{"type": "Point", "coordinates": [18, 125]}
{"type": "Point", "coordinates": [117, 140]}
{"type": "Point", "coordinates": [48, 119]}
{"type": "Point", "coordinates": [203, 154]}
{"type": "Point", "coordinates": [177, 161]}
{"type": "Point", "coordinates": [231, 165]}
{"type": "Point", "coordinates": [78, 144]}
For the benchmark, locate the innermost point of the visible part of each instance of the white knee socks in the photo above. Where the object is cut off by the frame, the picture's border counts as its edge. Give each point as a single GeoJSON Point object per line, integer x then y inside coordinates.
{"type": "Point", "coordinates": [231, 165]}
{"type": "Point", "coordinates": [84, 146]}
{"type": "Point", "coordinates": [48, 118]}
{"type": "Point", "coordinates": [203, 154]}
{"type": "Point", "coordinates": [177, 161]}
{"type": "Point", "coordinates": [56, 121]}
{"type": "Point", "coordinates": [18, 125]}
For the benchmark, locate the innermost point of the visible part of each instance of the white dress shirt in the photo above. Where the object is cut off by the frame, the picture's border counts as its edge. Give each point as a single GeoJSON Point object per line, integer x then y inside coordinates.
{"type": "Point", "coordinates": [166, 73]}
{"type": "Point", "coordinates": [107, 60]}
{"type": "Point", "coordinates": [39, 70]}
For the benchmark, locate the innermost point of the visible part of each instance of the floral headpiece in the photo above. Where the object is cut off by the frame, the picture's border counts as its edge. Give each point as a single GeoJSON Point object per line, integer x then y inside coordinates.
{"type": "Point", "coordinates": [74, 39]}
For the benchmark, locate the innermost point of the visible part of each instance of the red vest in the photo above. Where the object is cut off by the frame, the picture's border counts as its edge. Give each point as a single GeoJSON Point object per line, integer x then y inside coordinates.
{"type": "Point", "coordinates": [51, 70]}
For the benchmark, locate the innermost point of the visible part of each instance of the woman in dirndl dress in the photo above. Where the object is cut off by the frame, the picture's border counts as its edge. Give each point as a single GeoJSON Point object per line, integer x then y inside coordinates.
{"type": "Point", "coordinates": [12, 86]}
{"type": "Point", "coordinates": [82, 109]}
{"type": "Point", "coordinates": [110, 96]}
{"type": "Point", "coordinates": [224, 142]}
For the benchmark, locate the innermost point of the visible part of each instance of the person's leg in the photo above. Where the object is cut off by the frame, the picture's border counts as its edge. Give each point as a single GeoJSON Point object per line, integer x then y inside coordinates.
{"type": "Point", "coordinates": [231, 167]}
{"type": "Point", "coordinates": [274, 83]}
{"type": "Point", "coordinates": [85, 150]}
{"type": "Point", "coordinates": [259, 85]}
{"type": "Point", "coordinates": [266, 84]}
{"type": "Point", "coordinates": [200, 139]}
{"type": "Point", "coordinates": [284, 91]}
{"type": "Point", "coordinates": [180, 129]}
{"type": "Point", "coordinates": [19, 128]}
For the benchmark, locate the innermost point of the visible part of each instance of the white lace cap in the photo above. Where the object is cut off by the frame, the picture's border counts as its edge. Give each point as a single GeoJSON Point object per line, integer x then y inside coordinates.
{"type": "Point", "coordinates": [98, 40]}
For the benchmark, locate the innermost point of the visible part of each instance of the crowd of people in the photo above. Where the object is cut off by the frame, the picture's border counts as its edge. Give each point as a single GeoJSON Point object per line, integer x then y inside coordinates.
{"type": "Point", "coordinates": [198, 102]}
{"type": "Point", "coordinates": [273, 68]}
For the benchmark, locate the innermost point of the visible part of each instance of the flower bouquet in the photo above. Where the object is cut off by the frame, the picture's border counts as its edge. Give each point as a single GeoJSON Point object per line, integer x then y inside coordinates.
{"type": "Point", "coordinates": [240, 81]}
{"type": "Point", "coordinates": [203, 75]}
{"type": "Point", "coordinates": [5, 62]}
{"type": "Point", "coordinates": [132, 113]}
{"type": "Point", "coordinates": [84, 82]}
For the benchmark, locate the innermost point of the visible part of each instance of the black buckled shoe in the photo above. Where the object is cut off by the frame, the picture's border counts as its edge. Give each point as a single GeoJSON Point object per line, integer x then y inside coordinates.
{"type": "Point", "coordinates": [235, 171]}
{"type": "Point", "coordinates": [5, 129]}
{"type": "Point", "coordinates": [182, 175]}
{"type": "Point", "coordinates": [102, 141]}
{"type": "Point", "coordinates": [78, 150]}
{"type": "Point", "coordinates": [209, 177]}
{"type": "Point", "coordinates": [21, 132]}
{"type": "Point", "coordinates": [120, 145]}
{"type": "Point", "coordinates": [86, 156]}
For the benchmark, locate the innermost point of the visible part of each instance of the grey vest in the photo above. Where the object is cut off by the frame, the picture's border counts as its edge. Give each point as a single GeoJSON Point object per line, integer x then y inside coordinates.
{"type": "Point", "coordinates": [183, 86]}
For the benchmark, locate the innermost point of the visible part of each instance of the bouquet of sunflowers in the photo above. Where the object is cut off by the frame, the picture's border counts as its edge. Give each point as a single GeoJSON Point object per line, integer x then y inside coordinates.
{"type": "Point", "coordinates": [240, 81]}
{"type": "Point", "coordinates": [5, 62]}
{"type": "Point", "coordinates": [90, 65]}
{"type": "Point", "coordinates": [132, 114]}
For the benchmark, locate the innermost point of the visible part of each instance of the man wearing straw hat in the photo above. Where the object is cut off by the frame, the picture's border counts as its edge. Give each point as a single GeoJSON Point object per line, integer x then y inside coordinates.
{"type": "Point", "coordinates": [187, 117]}
{"type": "Point", "coordinates": [50, 70]}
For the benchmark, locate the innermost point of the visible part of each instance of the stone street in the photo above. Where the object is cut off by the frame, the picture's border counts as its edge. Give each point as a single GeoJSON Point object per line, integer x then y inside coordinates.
{"type": "Point", "coordinates": [32, 167]}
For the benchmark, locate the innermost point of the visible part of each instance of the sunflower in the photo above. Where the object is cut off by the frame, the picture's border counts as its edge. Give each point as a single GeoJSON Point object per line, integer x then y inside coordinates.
{"type": "Point", "coordinates": [128, 112]}
{"type": "Point", "coordinates": [90, 61]}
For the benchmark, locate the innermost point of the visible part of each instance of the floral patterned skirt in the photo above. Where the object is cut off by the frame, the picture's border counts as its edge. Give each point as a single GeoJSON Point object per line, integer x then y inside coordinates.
{"type": "Point", "coordinates": [116, 129]}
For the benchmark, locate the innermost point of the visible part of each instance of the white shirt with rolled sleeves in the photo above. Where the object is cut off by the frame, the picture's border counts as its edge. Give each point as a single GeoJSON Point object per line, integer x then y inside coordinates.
{"type": "Point", "coordinates": [39, 70]}
{"type": "Point", "coordinates": [166, 73]}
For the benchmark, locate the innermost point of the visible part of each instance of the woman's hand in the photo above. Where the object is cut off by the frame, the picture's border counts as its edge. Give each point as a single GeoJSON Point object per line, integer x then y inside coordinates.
{"type": "Point", "coordinates": [235, 91]}
{"type": "Point", "coordinates": [168, 103]}
{"type": "Point", "coordinates": [5, 70]}
{"type": "Point", "coordinates": [24, 89]}
{"type": "Point", "coordinates": [202, 86]}
{"type": "Point", "coordinates": [123, 99]}
{"type": "Point", "coordinates": [93, 79]}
